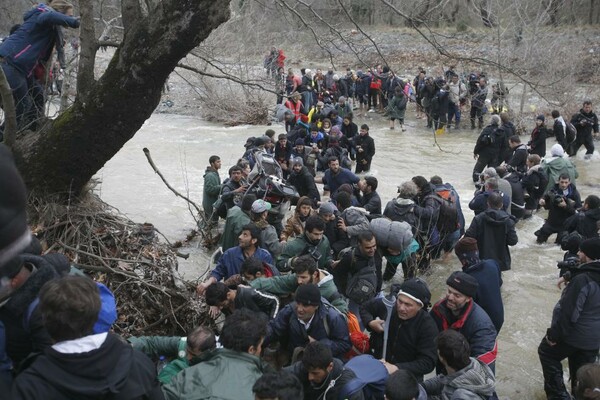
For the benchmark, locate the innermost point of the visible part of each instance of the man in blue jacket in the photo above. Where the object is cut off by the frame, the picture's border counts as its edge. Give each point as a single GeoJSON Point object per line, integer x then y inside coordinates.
{"type": "Point", "coordinates": [30, 45]}
{"type": "Point", "coordinates": [310, 318]}
{"type": "Point", "coordinates": [488, 275]}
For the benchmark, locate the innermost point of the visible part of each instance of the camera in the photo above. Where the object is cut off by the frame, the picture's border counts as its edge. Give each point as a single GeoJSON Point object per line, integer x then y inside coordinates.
{"type": "Point", "coordinates": [570, 262]}
{"type": "Point", "coordinates": [314, 253]}
{"type": "Point", "coordinates": [558, 198]}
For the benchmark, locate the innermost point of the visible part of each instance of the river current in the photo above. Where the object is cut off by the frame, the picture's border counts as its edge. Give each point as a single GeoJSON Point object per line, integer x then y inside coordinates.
{"type": "Point", "coordinates": [181, 145]}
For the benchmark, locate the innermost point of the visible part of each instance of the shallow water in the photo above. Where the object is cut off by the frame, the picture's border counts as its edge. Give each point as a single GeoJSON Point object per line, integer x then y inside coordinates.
{"type": "Point", "coordinates": [181, 146]}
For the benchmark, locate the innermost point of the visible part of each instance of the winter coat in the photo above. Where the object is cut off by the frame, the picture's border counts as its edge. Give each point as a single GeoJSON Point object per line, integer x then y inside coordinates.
{"type": "Point", "coordinates": [474, 324]}
{"type": "Point", "coordinates": [283, 152]}
{"type": "Point", "coordinates": [479, 202]}
{"type": "Point", "coordinates": [401, 210]}
{"type": "Point", "coordinates": [356, 222]}
{"type": "Point", "coordinates": [302, 245]}
{"type": "Point", "coordinates": [269, 239]}
{"type": "Point", "coordinates": [478, 100]}
{"type": "Point", "coordinates": [34, 41]}
{"type": "Point", "coordinates": [367, 144]}
{"type": "Point", "coordinates": [411, 343]}
{"type": "Point", "coordinates": [557, 216]}
{"type": "Point", "coordinates": [397, 107]}
{"type": "Point", "coordinates": [227, 374]}
{"type": "Point", "coordinates": [537, 143]}
{"type": "Point", "coordinates": [114, 370]}
{"type": "Point", "coordinates": [350, 130]}
{"type": "Point", "coordinates": [517, 197]}
{"type": "Point", "coordinates": [494, 231]}
{"type": "Point", "coordinates": [340, 374]}
{"type": "Point", "coordinates": [576, 316]}
{"type": "Point", "coordinates": [328, 326]}
{"type": "Point", "coordinates": [22, 340]}
{"type": "Point", "coordinates": [211, 190]}
{"type": "Point", "coordinates": [532, 182]}
{"type": "Point", "coordinates": [474, 382]}
{"type": "Point", "coordinates": [518, 159]}
{"type": "Point", "coordinates": [231, 261]}
{"type": "Point", "coordinates": [350, 263]}
{"type": "Point", "coordinates": [559, 129]}
{"type": "Point", "coordinates": [508, 130]}
{"type": "Point", "coordinates": [371, 202]}
{"type": "Point", "coordinates": [294, 226]}
{"type": "Point", "coordinates": [555, 166]}
{"type": "Point", "coordinates": [427, 210]}
{"type": "Point", "coordinates": [285, 285]}
{"type": "Point", "coordinates": [585, 123]}
{"type": "Point", "coordinates": [228, 194]}
{"type": "Point", "coordinates": [343, 110]}
{"type": "Point", "coordinates": [236, 219]}
{"type": "Point", "coordinates": [489, 149]}
{"type": "Point", "coordinates": [256, 301]}
{"type": "Point", "coordinates": [6, 375]}
{"type": "Point", "coordinates": [488, 275]}
{"type": "Point", "coordinates": [586, 223]}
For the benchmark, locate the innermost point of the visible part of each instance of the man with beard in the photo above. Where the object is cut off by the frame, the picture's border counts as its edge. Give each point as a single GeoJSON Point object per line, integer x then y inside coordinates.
{"type": "Point", "coordinates": [303, 181]}
{"type": "Point", "coordinates": [233, 190]}
{"type": "Point", "coordinates": [458, 311]}
{"type": "Point", "coordinates": [312, 242]}
{"type": "Point", "coordinates": [586, 122]}
{"type": "Point", "coordinates": [304, 271]}
{"type": "Point", "coordinates": [335, 176]}
{"type": "Point", "coordinates": [411, 331]}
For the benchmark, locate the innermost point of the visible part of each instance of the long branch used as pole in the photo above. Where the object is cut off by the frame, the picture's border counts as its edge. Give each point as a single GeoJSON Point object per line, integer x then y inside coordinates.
{"type": "Point", "coordinates": [10, 113]}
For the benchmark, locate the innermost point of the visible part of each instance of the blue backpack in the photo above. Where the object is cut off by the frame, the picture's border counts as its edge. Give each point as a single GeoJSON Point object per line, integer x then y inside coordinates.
{"type": "Point", "coordinates": [371, 376]}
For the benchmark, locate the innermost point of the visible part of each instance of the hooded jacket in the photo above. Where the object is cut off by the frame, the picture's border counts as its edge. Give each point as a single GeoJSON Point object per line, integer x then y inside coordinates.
{"type": "Point", "coordinates": [555, 166]}
{"type": "Point", "coordinates": [34, 40]}
{"type": "Point", "coordinates": [226, 375]}
{"type": "Point", "coordinates": [301, 245]}
{"type": "Point", "coordinates": [489, 277]}
{"type": "Point", "coordinates": [356, 222]}
{"type": "Point", "coordinates": [557, 216]}
{"type": "Point", "coordinates": [494, 231]}
{"type": "Point", "coordinates": [586, 223]}
{"type": "Point", "coordinates": [576, 316]}
{"type": "Point", "coordinates": [532, 182]}
{"type": "Point", "coordinates": [211, 190]}
{"type": "Point", "coordinates": [518, 158]}
{"type": "Point", "coordinates": [401, 210]}
{"type": "Point", "coordinates": [489, 149]}
{"type": "Point", "coordinates": [284, 285]}
{"type": "Point", "coordinates": [114, 370]}
{"type": "Point", "coordinates": [304, 183]}
{"type": "Point", "coordinates": [474, 382]}
{"type": "Point", "coordinates": [585, 129]}
{"type": "Point", "coordinates": [231, 261]}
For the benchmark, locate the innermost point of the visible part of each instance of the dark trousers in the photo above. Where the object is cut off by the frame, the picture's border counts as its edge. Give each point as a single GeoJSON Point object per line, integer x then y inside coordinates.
{"type": "Point", "coordinates": [476, 112]}
{"type": "Point", "coordinates": [20, 90]}
{"type": "Point", "coordinates": [551, 357]}
{"type": "Point", "coordinates": [373, 98]}
{"type": "Point", "coordinates": [546, 230]}
{"type": "Point", "coordinates": [360, 167]}
{"type": "Point", "coordinates": [585, 140]}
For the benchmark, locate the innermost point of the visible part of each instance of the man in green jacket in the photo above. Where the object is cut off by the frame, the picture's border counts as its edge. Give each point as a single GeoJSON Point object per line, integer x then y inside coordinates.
{"type": "Point", "coordinates": [304, 271]}
{"type": "Point", "coordinates": [237, 217]}
{"type": "Point", "coordinates": [185, 351]}
{"type": "Point", "coordinates": [229, 373]}
{"type": "Point", "coordinates": [312, 242]}
{"type": "Point", "coordinates": [212, 188]}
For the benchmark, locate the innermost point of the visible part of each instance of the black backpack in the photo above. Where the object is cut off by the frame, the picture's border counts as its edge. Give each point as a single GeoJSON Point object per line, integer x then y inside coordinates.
{"type": "Point", "coordinates": [570, 132]}
{"type": "Point", "coordinates": [447, 221]}
{"type": "Point", "coordinates": [362, 284]}
{"type": "Point", "coordinates": [488, 138]}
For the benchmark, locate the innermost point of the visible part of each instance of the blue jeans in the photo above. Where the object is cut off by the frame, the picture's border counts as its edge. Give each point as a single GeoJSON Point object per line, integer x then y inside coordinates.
{"type": "Point", "coordinates": [453, 112]}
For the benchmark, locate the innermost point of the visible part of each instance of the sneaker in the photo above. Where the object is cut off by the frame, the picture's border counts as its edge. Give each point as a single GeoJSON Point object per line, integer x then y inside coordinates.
{"type": "Point", "coordinates": [371, 110]}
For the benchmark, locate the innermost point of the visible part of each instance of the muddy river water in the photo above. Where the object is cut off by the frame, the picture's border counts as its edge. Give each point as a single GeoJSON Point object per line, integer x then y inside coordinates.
{"type": "Point", "coordinates": [181, 146]}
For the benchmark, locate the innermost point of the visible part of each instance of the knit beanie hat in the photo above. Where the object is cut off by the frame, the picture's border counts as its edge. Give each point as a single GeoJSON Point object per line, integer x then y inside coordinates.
{"type": "Point", "coordinates": [591, 248]}
{"type": "Point", "coordinates": [326, 208]}
{"type": "Point", "coordinates": [541, 117]}
{"type": "Point", "coordinates": [297, 160]}
{"type": "Point", "coordinates": [417, 290]}
{"type": "Point", "coordinates": [308, 295]}
{"type": "Point", "coordinates": [464, 283]}
{"type": "Point", "coordinates": [14, 232]}
{"type": "Point", "coordinates": [466, 248]}
{"type": "Point", "coordinates": [299, 142]}
{"type": "Point", "coordinates": [557, 150]}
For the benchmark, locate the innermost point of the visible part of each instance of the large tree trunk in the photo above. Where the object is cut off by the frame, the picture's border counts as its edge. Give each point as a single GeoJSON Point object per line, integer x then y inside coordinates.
{"type": "Point", "coordinates": [63, 156]}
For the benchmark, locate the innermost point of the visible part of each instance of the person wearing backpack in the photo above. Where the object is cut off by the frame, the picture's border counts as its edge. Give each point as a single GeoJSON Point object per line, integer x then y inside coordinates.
{"type": "Point", "coordinates": [556, 165]}
{"type": "Point", "coordinates": [487, 147]}
{"type": "Point", "coordinates": [403, 336]}
{"type": "Point", "coordinates": [321, 375]}
{"type": "Point", "coordinates": [356, 273]}
{"type": "Point", "coordinates": [559, 129]}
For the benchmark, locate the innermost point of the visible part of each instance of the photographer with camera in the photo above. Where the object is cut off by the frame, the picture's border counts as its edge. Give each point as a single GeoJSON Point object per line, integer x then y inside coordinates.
{"type": "Point", "coordinates": [562, 201]}
{"type": "Point", "coordinates": [575, 329]}
{"type": "Point", "coordinates": [585, 121]}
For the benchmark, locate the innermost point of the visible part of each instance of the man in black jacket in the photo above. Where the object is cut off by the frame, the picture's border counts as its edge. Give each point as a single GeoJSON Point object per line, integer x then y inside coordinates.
{"type": "Point", "coordinates": [519, 153]}
{"type": "Point", "coordinates": [370, 200]}
{"type": "Point", "coordinates": [495, 231]}
{"type": "Point", "coordinates": [487, 148]}
{"type": "Point", "coordinates": [301, 178]}
{"type": "Point", "coordinates": [411, 330]}
{"type": "Point", "coordinates": [586, 122]}
{"type": "Point", "coordinates": [365, 149]}
{"type": "Point", "coordinates": [80, 364]}
{"type": "Point", "coordinates": [229, 300]}
{"type": "Point", "coordinates": [562, 201]}
{"type": "Point", "coordinates": [587, 221]}
{"type": "Point", "coordinates": [575, 329]}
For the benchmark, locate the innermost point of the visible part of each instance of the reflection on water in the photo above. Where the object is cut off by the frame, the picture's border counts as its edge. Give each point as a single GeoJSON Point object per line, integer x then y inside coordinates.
{"type": "Point", "coordinates": [181, 146]}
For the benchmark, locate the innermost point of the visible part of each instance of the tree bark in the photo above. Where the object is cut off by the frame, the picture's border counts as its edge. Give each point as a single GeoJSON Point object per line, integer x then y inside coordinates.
{"type": "Point", "coordinates": [10, 113]}
{"type": "Point", "coordinates": [62, 158]}
{"type": "Point", "coordinates": [87, 56]}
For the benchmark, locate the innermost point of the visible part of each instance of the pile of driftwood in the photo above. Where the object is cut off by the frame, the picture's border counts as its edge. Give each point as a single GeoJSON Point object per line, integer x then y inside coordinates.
{"type": "Point", "coordinates": [127, 257]}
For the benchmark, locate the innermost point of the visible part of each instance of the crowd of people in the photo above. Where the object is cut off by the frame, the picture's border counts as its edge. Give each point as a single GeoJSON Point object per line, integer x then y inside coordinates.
{"type": "Point", "coordinates": [312, 304]}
